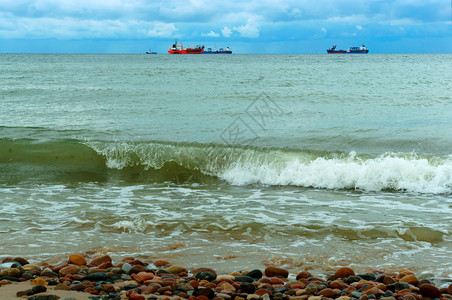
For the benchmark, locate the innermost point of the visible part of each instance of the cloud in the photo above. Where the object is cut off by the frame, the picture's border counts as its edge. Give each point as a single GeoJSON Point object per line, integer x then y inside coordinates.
{"type": "Point", "coordinates": [226, 32]}
{"type": "Point", "coordinates": [162, 30]}
{"type": "Point", "coordinates": [211, 34]}
{"type": "Point", "coordinates": [248, 31]}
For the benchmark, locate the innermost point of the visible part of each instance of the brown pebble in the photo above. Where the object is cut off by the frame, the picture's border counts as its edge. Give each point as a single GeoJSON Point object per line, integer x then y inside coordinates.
{"type": "Point", "coordinates": [177, 270]}
{"type": "Point", "coordinates": [449, 289]}
{"type": "Point", "coordinates": [62, 287]}
{"type": "Point", "coordinates": [429, 290]}
{"type": "Point", "coordinates": [161, 262]}
{"type": "Point", "coordinates": [276, 272]}
{"type": "Point", "coordinates": [28, 292]}
{"type": "Point", "coordinates": [137, 269]}
{"type": "Point", "coordinates": [344, 272]}
{"type": "Point", "coordinates": [303, 274]}
{"type": "Point", "coordinates": [411, 279]}
{"type": "Point", "coordinates": [59, 266]}
{"type": "Point", "coordinates": [21, 260]}
{"type": "Point", "coordinates": [327, 293]}
{"type": "Point", "coordinates": [77, 259]}
{"type": "Point", "coordinates": [71, 269]}
{"type": "Point", "coordinates": [100, 260]}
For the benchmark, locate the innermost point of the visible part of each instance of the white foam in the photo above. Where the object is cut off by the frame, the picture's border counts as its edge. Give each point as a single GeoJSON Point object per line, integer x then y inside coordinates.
{"type": "Point", "coordinates": [384, 172]}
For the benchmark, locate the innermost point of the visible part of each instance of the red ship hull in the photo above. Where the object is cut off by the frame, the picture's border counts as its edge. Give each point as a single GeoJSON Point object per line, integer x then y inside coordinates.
{"type": "Point", "coordinates": [187, 51]}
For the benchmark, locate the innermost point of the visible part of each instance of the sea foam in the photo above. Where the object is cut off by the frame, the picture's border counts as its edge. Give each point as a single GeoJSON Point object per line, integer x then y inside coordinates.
{"type": "Point", "coordinates": [385, 172]}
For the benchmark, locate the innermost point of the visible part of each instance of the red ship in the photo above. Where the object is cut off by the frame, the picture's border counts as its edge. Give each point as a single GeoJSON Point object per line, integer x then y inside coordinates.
{"type": "Point", "coordinates": [179, 49]}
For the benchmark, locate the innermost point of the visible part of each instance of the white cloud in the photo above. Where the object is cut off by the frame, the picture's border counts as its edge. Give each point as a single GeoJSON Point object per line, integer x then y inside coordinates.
{"type": "Point", "coordinates": [226, 32]}
{"type": "Point", "coordinates": [248, 30]}
{"type": "Point", "coordinates": [162, 30]}
{"type": "Point", "coordinates": [211, 34]}
{"type": "Point", "coordinates": [359, 27]}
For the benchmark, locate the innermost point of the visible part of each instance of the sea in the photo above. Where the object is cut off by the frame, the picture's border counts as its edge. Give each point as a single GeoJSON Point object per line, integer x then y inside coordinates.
{"type": "Point", "coordinates": [234, 162]}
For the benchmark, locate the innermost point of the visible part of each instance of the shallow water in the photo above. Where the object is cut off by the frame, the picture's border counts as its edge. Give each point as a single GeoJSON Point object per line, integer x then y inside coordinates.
{"type": "Point", "coordinates": [311, 161]}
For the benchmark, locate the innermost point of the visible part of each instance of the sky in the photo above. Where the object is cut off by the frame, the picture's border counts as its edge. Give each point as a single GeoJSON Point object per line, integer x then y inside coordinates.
{"type": "Point", "coordinates": [253, 26]}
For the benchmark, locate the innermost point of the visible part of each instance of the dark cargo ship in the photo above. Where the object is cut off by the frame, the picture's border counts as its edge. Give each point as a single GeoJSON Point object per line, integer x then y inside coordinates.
{"type": "Point", "coordinates": [351, 50]}
{"type": "Point", "coordinates": [220, 51]}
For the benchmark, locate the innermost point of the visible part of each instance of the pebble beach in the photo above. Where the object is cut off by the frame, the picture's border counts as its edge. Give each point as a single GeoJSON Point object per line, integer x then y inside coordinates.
{"type": "Point", "coordinates": [98, 276]}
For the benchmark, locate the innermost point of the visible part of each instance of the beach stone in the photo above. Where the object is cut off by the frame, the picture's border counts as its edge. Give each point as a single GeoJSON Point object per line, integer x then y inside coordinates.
{"type": "Point", "coordinates": [401, 286]}
{"type": "Point", "coordinates": [256, 274]}
{"type": "Point", "coordinates": [205, 275]}
{"type": "Point", "coordinates": [38, 289]}
{"type": "Point", "coordinates": [100, 260]}
{"type": "Point", "coordinates": [136, 262]}
{"type": "Point", "coordinates": [276, 272]}
{"type": "Point", "coordinates": [28, 292]}
{"type": "Point", "coordinates": [46, 297]}
{"type": "Point", "coordinates": [38, 281]}
{"type": "Point", "coordinates": [352, 278]}
{"type": "Point", "coordinates": [161, 262]}
{"type": "Point", "coordinates": [245, 279]}
{"type": "Point", "coordinates": [59, 266]}
{"type": "Point", "coordinates": [410, 279]}
{"type": "Point", "coordinates": [262, 292]}
{"type": "Point", "coordinates": [77, 286]}
{"type": "Point", "coordinates": [368, 277]}
{"type": "Point", "coordinates": [28, 275]}
{"type": "Point", "coordinates": [137, 269]}
{"type": "Point", "coordinates": [71, 269]}
{"type": "Point", "coordinates": [311, 288]}
{"type": "Point", "coordinates": [99, 276]}
{"type": "Point", "coordinates": [126, 268]}
{"type": "Point", "coordinates": [247, 287]}
{"type": "Point", "coordinates": [177, 270]}
{"type": "Point", "coordinates": [303, 274]}
{"type": "Point", "coordinates": [449, 289]}
{"type": "Point", "coordinates": [203, 291]}
{"type": "Point", "coordinates": [77, 259]}
{"type": "Point", "coordinates": [327, 293]}
{"type": "Point", "coordinates": [14, 272]}
{"type": "Point", "coordinates": [226, 286]}
{"type": "Point", "coordinates": [429, 290]}
{"type": "Point", "coordinates": [47, 272]}
{"type": "Point", "coordinates": [372, 291]}
{"type": "Point", "coordinates": [344, 272]}
{"type": "Point", "coordinates": [62, 287]}
{"type": "Point", "coordinates": [356, 294]}
{"type": "Point", "coordinates": [21, 260]}
{"type": "Point", "coordinates": [135, 296]}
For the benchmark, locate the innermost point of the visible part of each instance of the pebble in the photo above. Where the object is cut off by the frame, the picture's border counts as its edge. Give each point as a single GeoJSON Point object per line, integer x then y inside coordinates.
{"type": "Point", "coordinates": [135, 279]}
{"type": "Point", "coordinates": [77, 259]}
{"type": "Point", "coordinates": [276, 272]}
{"type": "Point", "coordinates": [344, 272]}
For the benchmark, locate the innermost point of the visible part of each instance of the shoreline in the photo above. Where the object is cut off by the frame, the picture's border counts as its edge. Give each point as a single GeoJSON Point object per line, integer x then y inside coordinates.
{"type": "Point", "coordinates": [92, 275]}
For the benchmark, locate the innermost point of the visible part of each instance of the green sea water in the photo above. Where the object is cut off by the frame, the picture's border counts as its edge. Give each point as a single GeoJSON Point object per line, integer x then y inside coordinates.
{"type": "Point", "coordinates": [312, 161]}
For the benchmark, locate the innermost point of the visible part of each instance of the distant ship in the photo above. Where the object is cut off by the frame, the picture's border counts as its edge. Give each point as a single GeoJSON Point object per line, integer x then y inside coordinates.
{"type": "Point", "coordinates": [150, 52]}
{"type": "Point", "coordinates": [351, 50]}
{"type": "Point", "coordinates": [220, 51]}
{"type": "Point", "coordinates": [180, 49]}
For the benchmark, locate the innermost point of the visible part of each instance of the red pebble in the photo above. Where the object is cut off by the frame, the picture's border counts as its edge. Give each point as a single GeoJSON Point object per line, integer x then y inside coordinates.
{"type": "Point", "coordinates": [194, 284]}
{"type": "Point", "coordinates": [344, 272]}
{"type": "Point", "coordinates": [262, 292]}
{"type": "Point", "coordinates": [161, 262]}
{"type": "Point", "coordinates": [136, 297]}
{"type": "Point", "coordinates": [276, 272]}
{"type": "Point", "coordinates": [303, 274]}
{"type": "Point", "coordinates": [429, 290]}
{"type": "Point", "coordinates": [202, 297]}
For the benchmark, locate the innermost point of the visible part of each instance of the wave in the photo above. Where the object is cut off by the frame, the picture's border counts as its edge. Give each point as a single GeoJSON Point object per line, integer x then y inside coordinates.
{"type": "Point", "coordinates": [237, 165]}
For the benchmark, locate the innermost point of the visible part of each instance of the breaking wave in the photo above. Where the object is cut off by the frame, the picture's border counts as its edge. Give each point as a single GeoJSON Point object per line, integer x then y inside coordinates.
{"type": "Point", "coordinates": [237, 165]}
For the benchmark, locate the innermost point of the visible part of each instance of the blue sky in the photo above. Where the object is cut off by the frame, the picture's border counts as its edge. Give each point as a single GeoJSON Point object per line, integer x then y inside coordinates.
{"type": "Point", "coordinates": [253, 26]}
